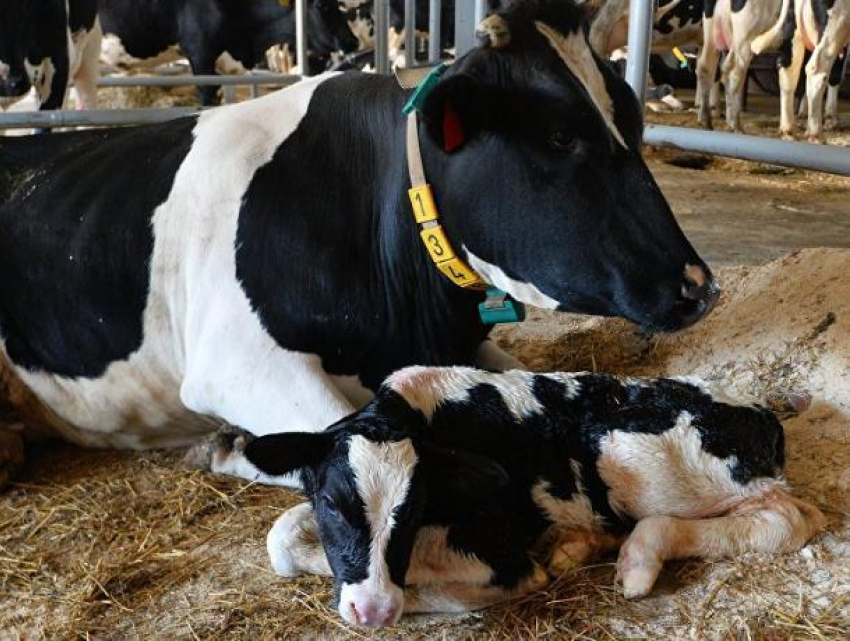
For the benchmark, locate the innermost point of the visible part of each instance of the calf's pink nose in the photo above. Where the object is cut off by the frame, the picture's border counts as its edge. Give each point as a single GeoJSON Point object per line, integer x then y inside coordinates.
{"type": "Point", "coordinates": [374, 614]}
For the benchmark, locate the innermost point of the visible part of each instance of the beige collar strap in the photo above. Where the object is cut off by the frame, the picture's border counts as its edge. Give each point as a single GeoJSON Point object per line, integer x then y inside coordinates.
{"type": "Point", "coordinates": [427, 217]}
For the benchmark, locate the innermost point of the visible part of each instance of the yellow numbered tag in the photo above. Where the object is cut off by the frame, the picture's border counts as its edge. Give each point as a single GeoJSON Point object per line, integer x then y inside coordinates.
{"type": "Point", "coordinates": [459, 273]}
{"type": "Point", "coordinates": [437, 244]}
{"type": "Point", "coordinates": [424, 208]}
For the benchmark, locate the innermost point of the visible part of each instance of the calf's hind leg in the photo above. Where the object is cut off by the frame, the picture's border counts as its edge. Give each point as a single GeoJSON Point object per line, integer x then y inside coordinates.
{"type": "Point", "coordinates": [775, 522]}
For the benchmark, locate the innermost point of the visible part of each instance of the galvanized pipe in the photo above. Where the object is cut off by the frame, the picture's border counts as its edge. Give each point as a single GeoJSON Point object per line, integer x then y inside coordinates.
{"type": "Point", "coordinates": [200, 81]}
{"type": "Point", "coordinates": [382, 44]}
{"type": "Point", "coordinates": [410, 33]}
{"type": "Point", "coordinates": [435, 29]}
{"type": "Point", "coordinates": [465, 11]}
{"type": "Point", "coordinates": [641, 15]}
{"type": "Point", "coordinates": [301, 36]}
{"type": "Point", "coordinates": [826, 158]}
{"type": "Point", "coordinates": [91, 118]}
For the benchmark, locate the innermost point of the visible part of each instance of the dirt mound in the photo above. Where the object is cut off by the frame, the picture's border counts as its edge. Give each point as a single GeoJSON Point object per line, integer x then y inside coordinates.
{"type": "Point", "coordinates": [123, 545]}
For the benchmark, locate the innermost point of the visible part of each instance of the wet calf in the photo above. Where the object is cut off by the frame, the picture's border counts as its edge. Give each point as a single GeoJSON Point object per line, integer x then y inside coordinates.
{"type": "Point", "coordinates": [440, 493]}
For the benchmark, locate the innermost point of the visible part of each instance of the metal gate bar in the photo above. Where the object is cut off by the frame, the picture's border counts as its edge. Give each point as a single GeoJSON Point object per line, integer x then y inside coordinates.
{"type": "Point", "coordinates": [91, 118]}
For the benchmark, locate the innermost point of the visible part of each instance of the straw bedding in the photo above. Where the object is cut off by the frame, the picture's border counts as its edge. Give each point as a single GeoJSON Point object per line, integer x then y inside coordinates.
{"type": "Point", "coordinates": [126, 545]}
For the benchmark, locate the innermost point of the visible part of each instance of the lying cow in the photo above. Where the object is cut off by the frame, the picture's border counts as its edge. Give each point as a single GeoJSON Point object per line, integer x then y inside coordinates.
{"type": "Point", "coordinates": [260, 264]}
{"type": "Point", "coordinates": [823, 28]}
{"type": "Point", "coordinates": [206, 30]}
{"type": "Point", "coordinates": [45, 44]}
{"type": "Point", "coordinates": [436, 495]}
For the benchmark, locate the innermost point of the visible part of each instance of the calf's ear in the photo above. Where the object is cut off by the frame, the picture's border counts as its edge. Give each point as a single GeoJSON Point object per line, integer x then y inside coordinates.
{"type": "Point", "coordinates": [279, 454]}
{"type": "Point", "coordinates": [460, 477]}
{"type": "Point", "coordinates": [455, 111]}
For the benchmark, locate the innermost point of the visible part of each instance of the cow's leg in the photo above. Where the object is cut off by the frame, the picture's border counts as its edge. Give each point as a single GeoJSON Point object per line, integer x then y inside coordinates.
{"type": "Point", "coordinates": [818, 68]}
{"type": "Point", "coordinates": [706, 70]}
{"type": "Point", "coordinates": [491, 356]}
{"type": "Point", "coordinates": [790, 64]}
{"type": "Point", "coordinates": [775, 522]}
{"type": "Point", "coordinates": [736, 76]}
{"type": "Point", "coordinates": [11, 455]}
{"type": "Point", "coordinates": [294, 546]}
{"type": "Point", "coordinates": [574, 548]}
{"type": "Point", "coordinates": [283, 391]}
{"type": "Point", "coordinates": [86, 77]}
{"type": "Point", "coordinates": [463, 597]}
{"type": "Point", "coordinates": [836, 75]}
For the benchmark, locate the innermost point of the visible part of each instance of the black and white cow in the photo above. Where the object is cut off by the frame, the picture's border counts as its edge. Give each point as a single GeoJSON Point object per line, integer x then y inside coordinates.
{"type": "Point", "coordinates": [436, 495]}
{"type": "Point", "coordinates": [45, 44]}
{"type": "Point", "coordinates": [823, 28]}
{"type": "Point", "coordinates": [206, 29]}
{"type": "Point", "coordinates": [259, 264]}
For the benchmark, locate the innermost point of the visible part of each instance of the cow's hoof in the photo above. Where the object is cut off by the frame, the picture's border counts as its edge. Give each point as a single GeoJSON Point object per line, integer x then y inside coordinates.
{"type": "Point", "coordinates": [637, 568]}
{"type": "Point", "coordinates": [830, 124]}
{"type": "Point", "coordinates": [815, 139]}
{"type": "Point", "coordinates": [787, 135]}
{"type": "Point", "coordinates": [11, 455]}
{"type": "Point", "coordinates": [216, 448]}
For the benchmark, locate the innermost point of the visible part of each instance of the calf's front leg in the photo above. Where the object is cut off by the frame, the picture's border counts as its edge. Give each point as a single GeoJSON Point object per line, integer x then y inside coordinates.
{"type": "Point", "coordinates": [775, 522]}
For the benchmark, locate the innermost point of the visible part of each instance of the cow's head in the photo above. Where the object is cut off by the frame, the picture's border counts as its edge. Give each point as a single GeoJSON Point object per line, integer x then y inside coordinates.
{"type": "Point", "coordinates": [369, 486]}
{"type": "Point", "coordinates": [533, 149]}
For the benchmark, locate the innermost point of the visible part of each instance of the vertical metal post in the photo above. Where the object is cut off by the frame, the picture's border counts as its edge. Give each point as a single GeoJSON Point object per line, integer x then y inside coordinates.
{"type": "Point", "coordinates": [382, 43]}
{"type": "Point", "coordinates": [641, 14]}
{"type": "Point", "coordinates": [480, 11]}
{"type": "Point", "coordinates": [435, 31]}
{"type": "Point", "coordinates": [301, 36]}
{"type": "Point", "coordinates": [464, 26]}
{"type": "Point", "coordinates": [410, 33]}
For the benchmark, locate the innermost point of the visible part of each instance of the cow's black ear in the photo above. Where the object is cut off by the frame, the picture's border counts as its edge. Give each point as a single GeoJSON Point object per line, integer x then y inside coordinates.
{"type": "Point", "coordinates": [459, 477]}
{"type": "Point", "coordinates": [455, 111]}
{"type": "Point", "coordinates": [279, 454]}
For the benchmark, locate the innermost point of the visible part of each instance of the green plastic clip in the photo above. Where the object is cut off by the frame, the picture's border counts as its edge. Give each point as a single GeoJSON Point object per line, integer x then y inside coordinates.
{"type": "Point", "coordinates": [500, 308]}
{"type": "Point", "coordinates": [424, 88]}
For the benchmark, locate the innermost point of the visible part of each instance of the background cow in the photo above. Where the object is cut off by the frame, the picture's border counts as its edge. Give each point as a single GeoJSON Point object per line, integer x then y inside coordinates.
{"type": "Point", "coordinates": [240, 284]}
{"type": "Point", "coordinates": [44, 44]}
{"type": "Point", "coordinates": [205, 30]}
{"type": "Point", "coordinates": [435, 496]}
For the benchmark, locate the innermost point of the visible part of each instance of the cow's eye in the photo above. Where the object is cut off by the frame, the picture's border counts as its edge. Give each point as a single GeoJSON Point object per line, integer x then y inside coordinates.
{"type": "Point", "coordinates": [562, 140]}
{"type": "Point", "coordinates": [330, 505]}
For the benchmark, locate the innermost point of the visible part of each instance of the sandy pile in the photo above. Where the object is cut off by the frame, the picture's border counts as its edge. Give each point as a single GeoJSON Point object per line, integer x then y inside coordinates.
{"type": "Point", "coordinates": [124, 545]}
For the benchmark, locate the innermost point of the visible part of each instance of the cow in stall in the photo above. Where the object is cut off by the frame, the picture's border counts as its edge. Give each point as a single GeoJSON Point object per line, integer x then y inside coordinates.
{"type": "Point", "coordinates": [207, 30]}
{"type": "Point", "coordinates": [439, 494]}
{"type": "Point", "coordinates": [44, 45]}
{"type": "Point", "coordinates": [823, 28]}
{"type": "Point", "coordinates": [676, 23]}
{"type": "Point", "coordinates": [163, 279]}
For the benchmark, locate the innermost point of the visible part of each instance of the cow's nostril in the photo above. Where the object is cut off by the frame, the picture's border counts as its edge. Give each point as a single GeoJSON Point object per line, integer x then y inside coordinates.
{"type": "Point", "coordinates": [697, 285]}
{"type": "Point", "coordinates": [354, 612]}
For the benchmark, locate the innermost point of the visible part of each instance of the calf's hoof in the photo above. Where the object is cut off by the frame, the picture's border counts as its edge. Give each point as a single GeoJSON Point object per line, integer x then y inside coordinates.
{"type": "Point", "coordinates": [216, 448]}
{"type": "Point", "coordinates": [294, 535]}
{"type": "Point", "coordinates": [830, 124]}
{"type": "Point", "coordinates": [637, 569]}
{"type": "Point", "coordinates": [11, 455]}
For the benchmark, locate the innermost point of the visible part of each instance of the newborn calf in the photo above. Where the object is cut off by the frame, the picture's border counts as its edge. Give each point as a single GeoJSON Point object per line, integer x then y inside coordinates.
{"type": "Point", "coordinates": [436, 495]}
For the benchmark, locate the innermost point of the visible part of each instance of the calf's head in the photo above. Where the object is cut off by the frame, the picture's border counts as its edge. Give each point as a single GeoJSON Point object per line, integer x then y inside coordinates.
{"type": "Point", "coordinates": [369, 488]}
{"type": "Point", "coordinates": [533, 146]}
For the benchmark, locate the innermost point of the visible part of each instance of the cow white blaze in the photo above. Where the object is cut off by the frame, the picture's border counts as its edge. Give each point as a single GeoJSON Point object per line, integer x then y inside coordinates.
{"type": "Point", "coordinates": [383, 473]}
{"type": "Point", "coordinates": [576, 54]}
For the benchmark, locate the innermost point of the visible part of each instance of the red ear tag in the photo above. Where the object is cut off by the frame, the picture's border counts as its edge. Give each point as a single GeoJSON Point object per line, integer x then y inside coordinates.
{"type": "Point", "coordinates": [453, 136]}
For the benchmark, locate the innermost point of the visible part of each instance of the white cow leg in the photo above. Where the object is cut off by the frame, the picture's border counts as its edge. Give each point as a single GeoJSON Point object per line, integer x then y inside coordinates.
{"type": "Point", "coordinates": [815, 86]}
{"type": "Point", "coordinates": [491, 356]}
{"type": "Point", "coordinates": [736, 85]}
{"type": "Point", "coordinates": [464, 597]}
{"type": "Point", "coordinates": [706, 70]}
{"type": "Point", "coordinates": [86, 77]}
{"type": "Point", "coordinates": [788, 78]}
{"type": "Point", "coordinates": [775, 522]}
{"type": "Point", "coordinates": [830, 117]}
{"type": "Point", "coordinates": [294, 546]}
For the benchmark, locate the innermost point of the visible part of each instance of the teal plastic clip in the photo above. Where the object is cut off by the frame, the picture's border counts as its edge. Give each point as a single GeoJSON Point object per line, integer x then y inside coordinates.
{"type": "Point", "coordinates": [424, 88]}
{"type": "Point", "coordinates": [500, 308]}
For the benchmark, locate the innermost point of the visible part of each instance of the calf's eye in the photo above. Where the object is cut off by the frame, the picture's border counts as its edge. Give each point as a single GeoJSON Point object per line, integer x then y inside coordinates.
{"type": "Point", "coordinates": [562, 140]}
